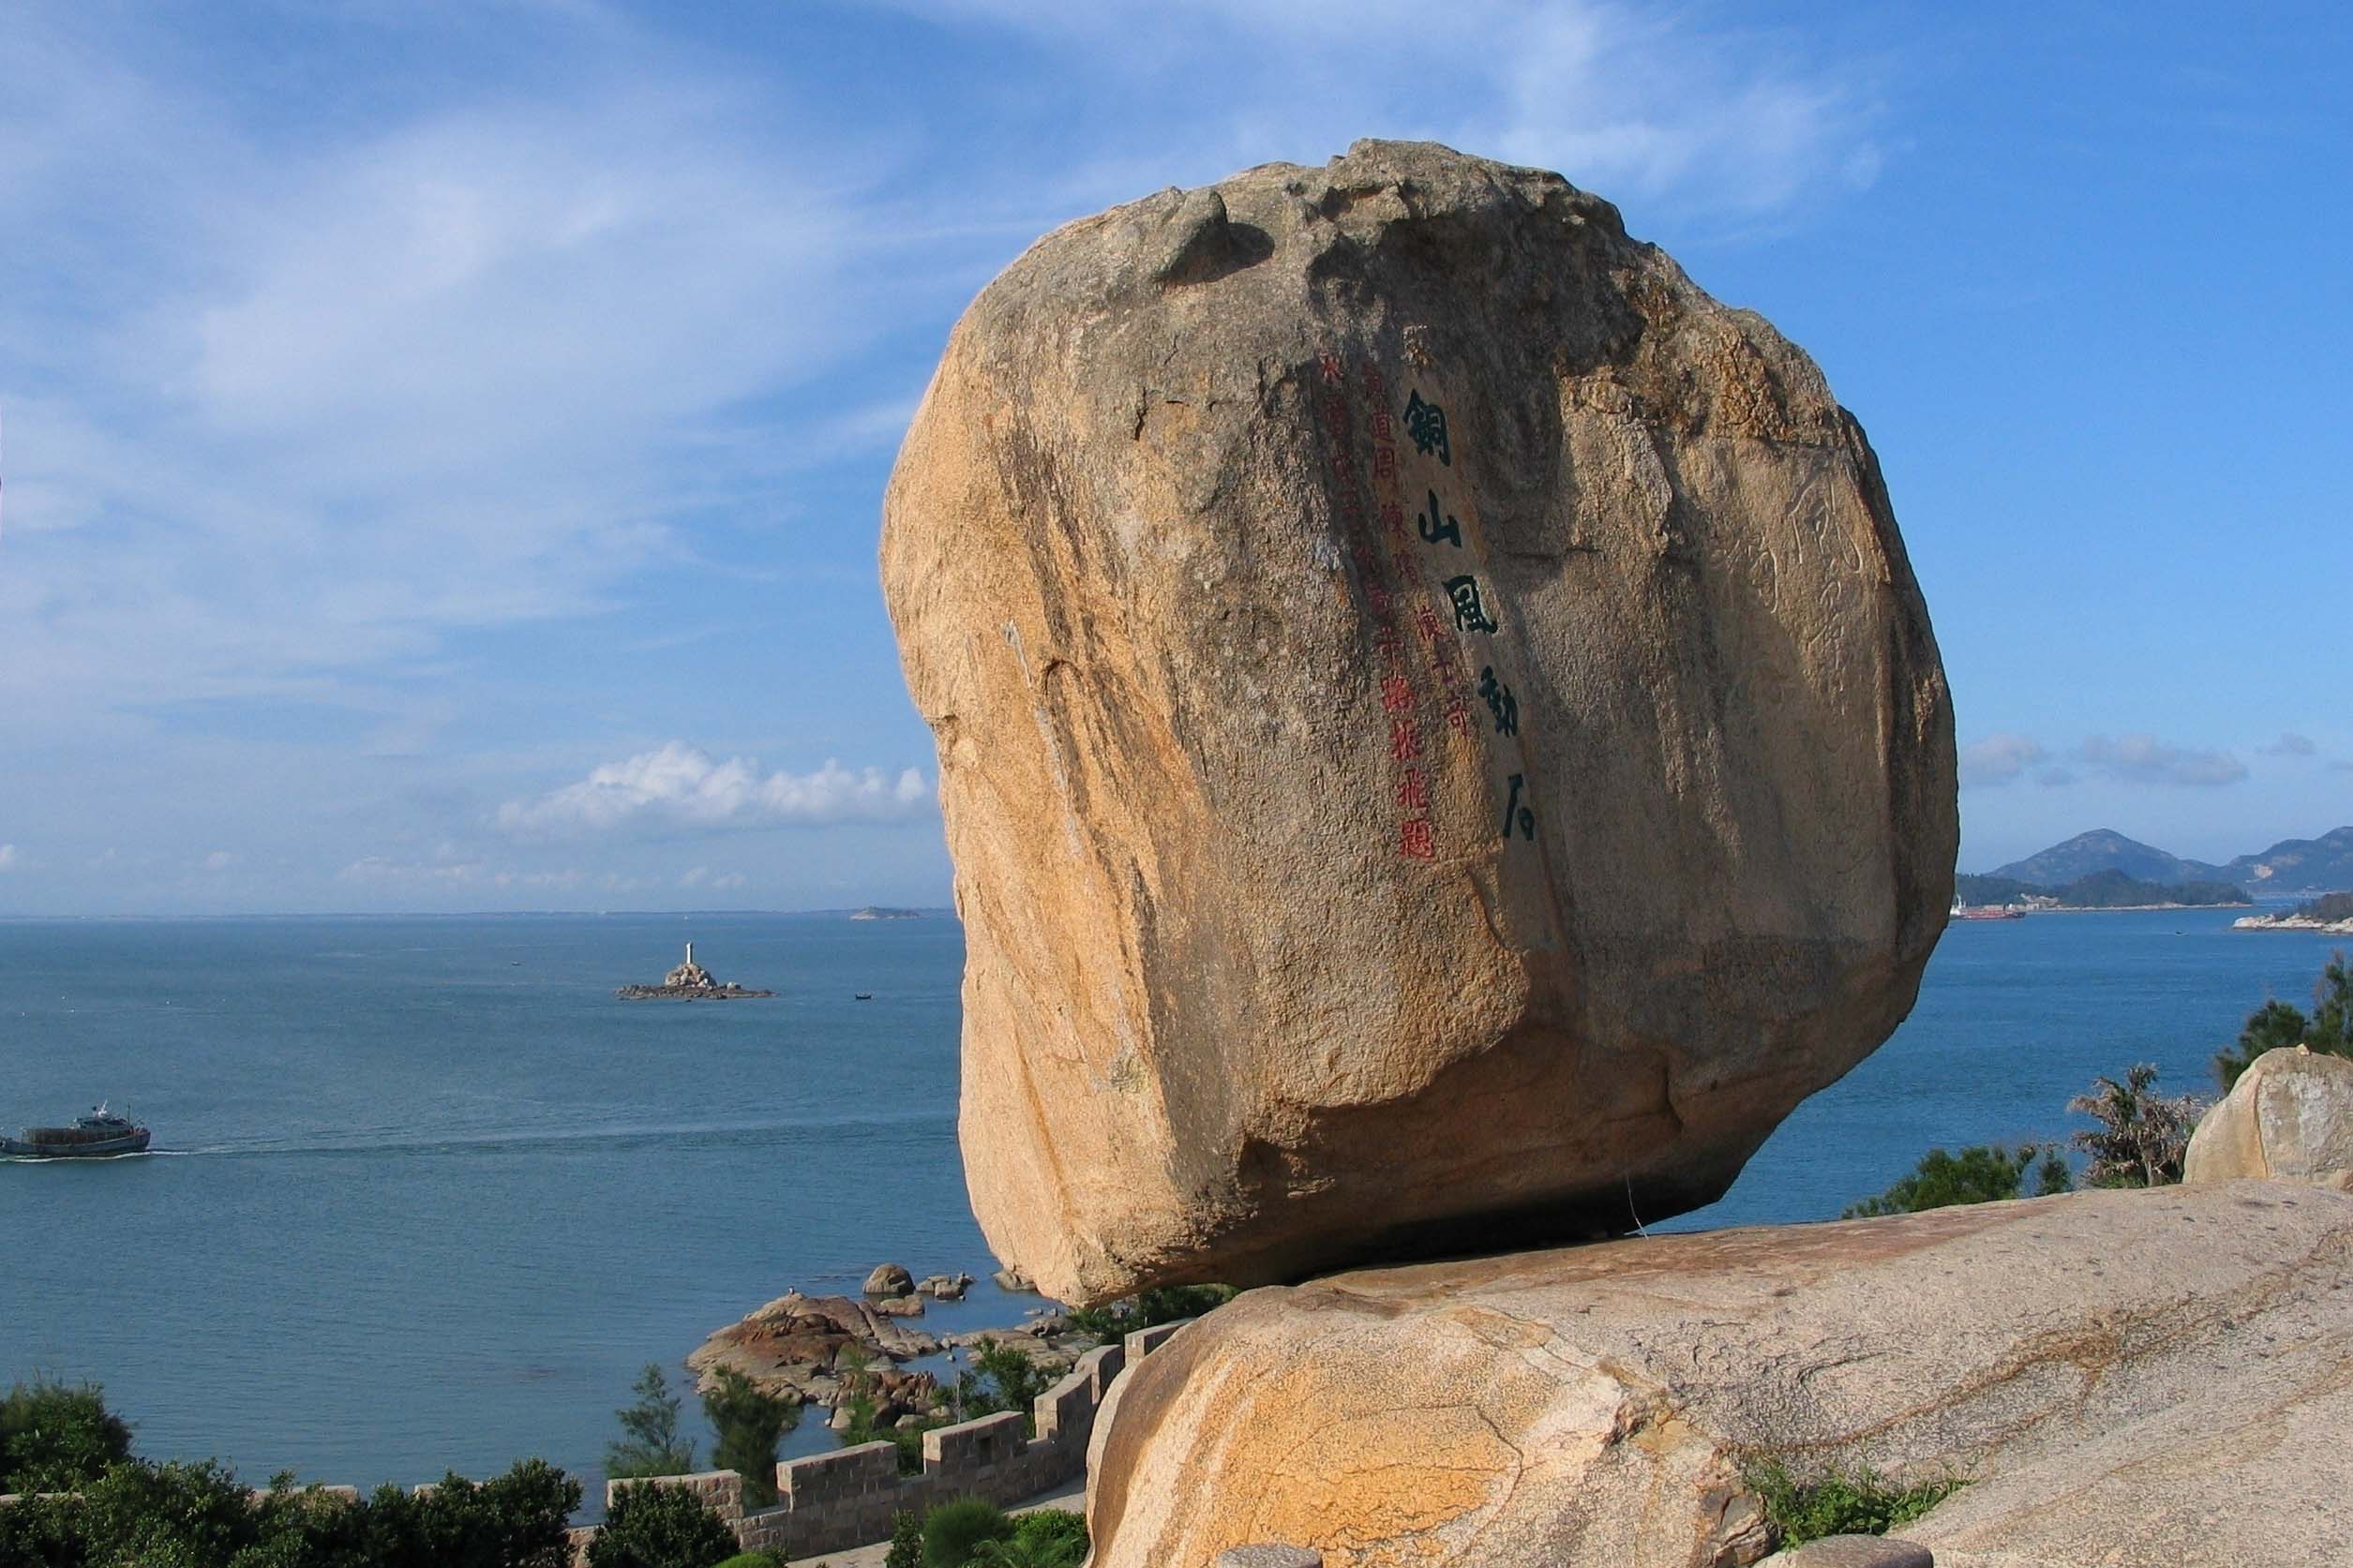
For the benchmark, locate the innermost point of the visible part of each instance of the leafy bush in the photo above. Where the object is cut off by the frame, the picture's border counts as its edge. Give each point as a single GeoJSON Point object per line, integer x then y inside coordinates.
{"type": "Point", "coordinates": [1981, 1174]}
{"type": "Point", "coordinates": [2276, 1025]}
{"type": "Point", "coordinates": [200, 1515]}
{"type": "Point", "coordinates": [660, 1527]}
{"type": "Point", "coordinates": [1047, 1538]}
{"type": "Point", "coordinates": [1165, 1304]}
{"type": "Point", "coordinates": [907, 1541]}
{"type": "Point", "coordinates": [1842, 1502]}
{"type": "Point", "coordinates": [1001, 1378]}
{"type": "Point", "coordinates": [954, 1531]}
{"type": "Point", "coordinates": [652, 1445]}
{"type": "Point", "coordinates": [2142, 1135]}
{"type": "Point", "coordinates": [862, 1427]}
{"type": "Point", "coordinates": [749, 1424]}
{"type": "Point", "coordinates": [54, 1437]}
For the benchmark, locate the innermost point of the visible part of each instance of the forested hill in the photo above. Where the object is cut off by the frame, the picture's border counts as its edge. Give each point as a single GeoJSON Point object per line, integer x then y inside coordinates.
{"type": "Point", "coordinates": [2297, 864]}
{"type": "Point", "coordinates": [2291, 865]}
{"type": "Point", "coordinates": [2102, 890]}
{"type": "Point", "coordinates": [2104, 850]}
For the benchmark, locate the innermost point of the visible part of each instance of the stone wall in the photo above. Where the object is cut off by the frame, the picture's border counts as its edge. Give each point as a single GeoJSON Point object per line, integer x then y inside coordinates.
{"type": "Point", "coordinates": [828, 1503]}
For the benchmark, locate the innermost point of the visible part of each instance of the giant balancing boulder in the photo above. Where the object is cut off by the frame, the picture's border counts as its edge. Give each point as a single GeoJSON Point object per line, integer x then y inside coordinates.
{"type": "Point", "coordinates": [1441, 744]}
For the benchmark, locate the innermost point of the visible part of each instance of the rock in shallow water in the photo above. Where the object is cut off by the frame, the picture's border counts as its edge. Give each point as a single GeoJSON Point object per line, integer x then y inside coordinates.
{"type": "Point", "coordinates": [2142, 1380]}
{"type": "Point", "coordinates": [1441, 744]}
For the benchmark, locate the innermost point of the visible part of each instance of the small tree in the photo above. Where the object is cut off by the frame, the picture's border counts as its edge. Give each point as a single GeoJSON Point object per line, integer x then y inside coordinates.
{"type": "Point", "coordinates": [54, 1437]}
{"type": "Point", "coordinates": [652, 1445]}
{"type": "Point", "coordinates": [2275, 1025]}
{"type": "Point", "coordinates": [907, 1541]}
{"type": "Point", "coordinates": [1163, 1304]}
{"type": "Point", "coordinates": [954, 1531]}
{"type": "Point", "coordinates": [1001, 1378]}
{"type": "Point", "coordinates": [2142, 1135]}
{"type": "Point", "coordinates": [660, 1527]}
{"type": "Point", "coordinates": [1981, 1174]}
{"type": "Point", "coordinates": [749, 1424]}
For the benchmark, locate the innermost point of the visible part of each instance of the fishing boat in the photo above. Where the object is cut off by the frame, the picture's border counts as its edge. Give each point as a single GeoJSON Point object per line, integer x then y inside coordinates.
{"type": "Point", "coordinates": [100, 1132]}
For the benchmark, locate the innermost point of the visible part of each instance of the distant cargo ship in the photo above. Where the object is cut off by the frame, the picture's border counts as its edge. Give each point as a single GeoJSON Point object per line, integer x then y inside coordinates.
{"type": "Point", "coordinates": [100, 1132]}
{"type": "Point", "coordinates": [1985, 912]}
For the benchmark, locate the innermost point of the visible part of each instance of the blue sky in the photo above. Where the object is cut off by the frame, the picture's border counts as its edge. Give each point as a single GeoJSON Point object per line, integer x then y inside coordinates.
{"type": "Point", "coordinates": [444, 442]}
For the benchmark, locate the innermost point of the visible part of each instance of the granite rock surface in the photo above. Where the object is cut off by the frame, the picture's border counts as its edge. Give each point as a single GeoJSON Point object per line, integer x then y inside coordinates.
{"type": "Point", "coordinates": [2289, 1118]}
{"type": "Point", "coordinates": [2159, 1379]}
{"type": "Point", "coordinates": [1441, 744]}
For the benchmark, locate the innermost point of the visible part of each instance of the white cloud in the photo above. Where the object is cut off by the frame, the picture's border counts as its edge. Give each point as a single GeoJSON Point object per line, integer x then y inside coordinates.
{"type": "Point", "coordinates": [680, 786]}
{"type": "Point", "coordinates": [8, 855]}
{"type": "Point", "coordinates": [313, 405]}
{"type": "Point", "coordinates": [220, 860]}
{"type": "Point", "coordinates": [1638, 103]}
{"type": "Point", "coordinates": [2145, 759]}
{"type": "Point", "coordinates": [1999, 758]}
{"type": "Point", "coordinates": [2289, 744]}
{"type": "Point", "coordinates": [732, 880]}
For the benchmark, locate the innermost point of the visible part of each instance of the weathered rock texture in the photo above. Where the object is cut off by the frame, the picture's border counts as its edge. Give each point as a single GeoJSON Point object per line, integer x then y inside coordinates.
{"type": "Point", "coordinates": [2289, 1118]}
{"type": "Point", "coordinates": [1376, 837]}
{"type": "Point", "coordinates": [2154, 1378]}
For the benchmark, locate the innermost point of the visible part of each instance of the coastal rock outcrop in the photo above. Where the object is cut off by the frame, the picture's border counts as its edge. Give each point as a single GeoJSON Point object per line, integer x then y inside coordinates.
{"type": "Point", "coordinates": [1440, 742]}
{"type": "Point", "coordinates": [804, 1344]}
{"type": "Point", "coordinates": [2289, 1118]}
{"type": "Point", "coordinates": [2126, 1378]}
{"type": "Point", "coordinates": [889, 1280]}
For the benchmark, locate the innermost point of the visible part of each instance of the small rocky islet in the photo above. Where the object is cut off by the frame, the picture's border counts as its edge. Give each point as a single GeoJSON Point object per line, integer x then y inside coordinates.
{"type": "Point", "coordinates": [807, 1348]}
{"type": "Point", "coordinates": [689, 982]}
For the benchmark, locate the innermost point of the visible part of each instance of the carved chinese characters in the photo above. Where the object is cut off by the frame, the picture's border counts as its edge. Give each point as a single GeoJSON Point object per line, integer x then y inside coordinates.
{"type": "Point", "coordinates": [1439, 742]}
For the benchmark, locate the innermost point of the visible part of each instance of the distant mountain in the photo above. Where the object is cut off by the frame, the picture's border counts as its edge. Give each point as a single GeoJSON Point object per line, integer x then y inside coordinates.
{"type": "Point", "coordinates": [2292, 865]}
{"type": "Point", "coordinates": [2100, 890]}
{"type": "Point", "coordinates": [2105, 849]}
{"type": "Point", "coordinates": [2113, 890]}
{"type": "Point", "coordinates": [2298, 865]}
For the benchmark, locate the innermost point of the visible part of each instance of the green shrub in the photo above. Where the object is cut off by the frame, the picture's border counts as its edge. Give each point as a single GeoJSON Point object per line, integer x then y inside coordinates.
{"type": "Point", "coordinates": [515, 1520]}
{"type": "Point", "coordinates": [652, 1445]}
{"type": "Point", "coordinates": [1981, 1174]}
{"type": "Point", "coordinates": [43, 1532]}
{"type": "Point", "coordinates": [907, 1440]}
{"type": "Point", "coordinates": [200, 1516]}
{"type": "Point", "coordinates": [2142, 1137]}
{"type": "Point", "coordinates": [1164, 1304]}
{"type": "Point", "coordinates": [953, 1532]}
{"type": "Point", "coordinates": [907, 1541]}
{"type": "Point", "coordinates": [660, 1527]}
{"type": "Point", "coordinates": [1046, 1538]}
{"type": "Point", "coordinates": [2276, 1024]}
{"type": "Point", "coordinates": [1001, 1378]}
{"type": "Point", "coordinates": [1860, 1502]}
{"type": "Point", "coordinates": [54, 1437]}
{"type": "Point", "coordinates": [749, 1424]}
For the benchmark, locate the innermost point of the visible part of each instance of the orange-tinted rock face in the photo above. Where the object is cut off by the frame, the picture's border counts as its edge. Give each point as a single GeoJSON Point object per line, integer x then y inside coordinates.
{"type": "Point", "coordinates": [2118, 1375]}
{"type": "Point", "coordinates": [1440, 742]}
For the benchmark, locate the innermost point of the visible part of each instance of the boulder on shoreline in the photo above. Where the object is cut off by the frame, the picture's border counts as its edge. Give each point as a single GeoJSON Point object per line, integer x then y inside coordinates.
{"type": "Point", "coordinates": [889, 1280]}
{"type": "Point", "coordinates": [803, 1344]}
{"type": "Point", "coordinates": [1440, 740]}
{"type": "Point", "coordinates": [2129, 1377]}
{"type": "Point", "coordinates": [2289, 1118]}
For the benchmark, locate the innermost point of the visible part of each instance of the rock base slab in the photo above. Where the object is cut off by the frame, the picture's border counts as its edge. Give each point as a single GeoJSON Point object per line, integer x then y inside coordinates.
{"type": "Point", "coordinates": [2139, 1380]}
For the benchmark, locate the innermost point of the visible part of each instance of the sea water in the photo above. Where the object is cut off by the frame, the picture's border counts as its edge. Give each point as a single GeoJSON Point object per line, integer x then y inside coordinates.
{"type": "Point", "coordinates": [426, 1196]}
